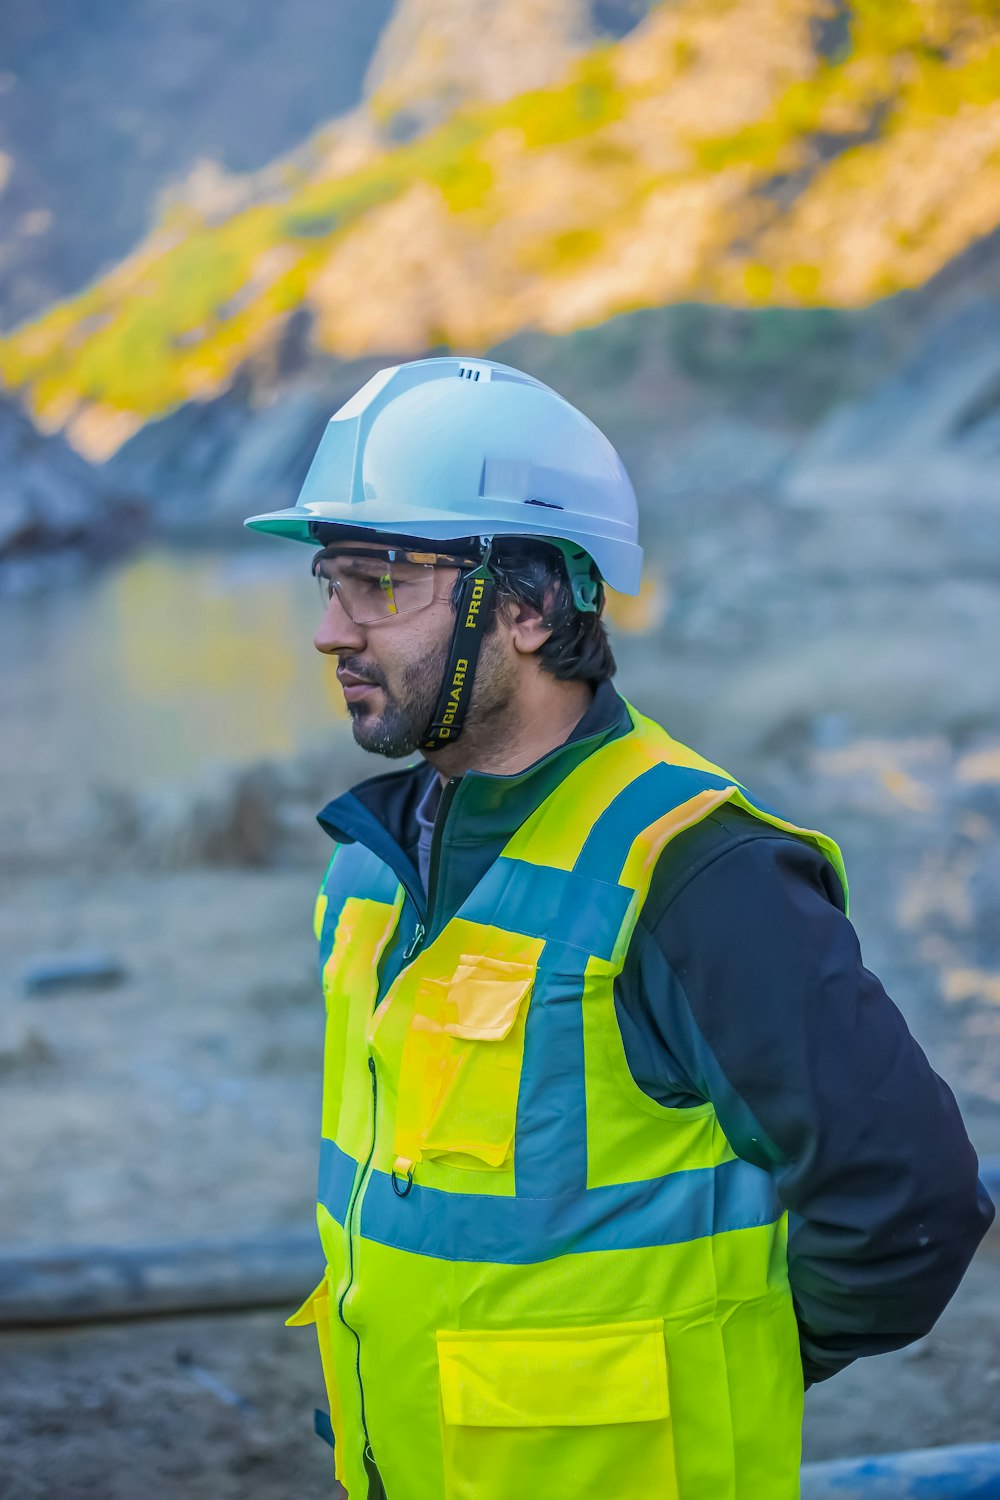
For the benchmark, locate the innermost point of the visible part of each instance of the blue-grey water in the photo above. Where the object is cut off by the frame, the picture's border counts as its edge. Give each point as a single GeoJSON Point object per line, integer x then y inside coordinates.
{"type": "Point", "coordinates": [149, 671]}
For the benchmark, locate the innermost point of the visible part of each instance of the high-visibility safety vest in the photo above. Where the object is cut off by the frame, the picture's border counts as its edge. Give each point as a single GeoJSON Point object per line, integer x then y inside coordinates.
{"type": "Point", "coordinates": [540, 1281]}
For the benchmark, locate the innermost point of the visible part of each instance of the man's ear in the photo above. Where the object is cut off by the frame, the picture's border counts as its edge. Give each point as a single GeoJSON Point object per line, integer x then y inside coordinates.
{"type": "Point", "coordinates": [529, 627]}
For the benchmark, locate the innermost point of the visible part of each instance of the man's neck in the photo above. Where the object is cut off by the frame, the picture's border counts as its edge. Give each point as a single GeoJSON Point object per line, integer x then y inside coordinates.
{"type": "Point", "coordinates": [542, 719]}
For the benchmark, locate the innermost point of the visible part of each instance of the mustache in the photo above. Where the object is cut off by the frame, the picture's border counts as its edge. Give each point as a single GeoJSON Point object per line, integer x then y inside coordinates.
{"type": "Point", "coordinates": [359, 668]}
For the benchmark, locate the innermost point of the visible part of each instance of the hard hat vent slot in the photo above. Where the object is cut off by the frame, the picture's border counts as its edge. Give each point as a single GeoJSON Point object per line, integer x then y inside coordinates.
{"type": "Point", "coordinates": [468, 372]}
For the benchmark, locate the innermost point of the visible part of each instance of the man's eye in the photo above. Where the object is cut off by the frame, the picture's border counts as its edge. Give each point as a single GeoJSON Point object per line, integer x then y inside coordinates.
{"type": "Point", "coordinates": [360, 580]}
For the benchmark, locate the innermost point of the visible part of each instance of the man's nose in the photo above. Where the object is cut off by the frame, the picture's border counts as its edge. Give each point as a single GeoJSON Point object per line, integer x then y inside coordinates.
{"type": "Point", "coordinates": [338, 633]}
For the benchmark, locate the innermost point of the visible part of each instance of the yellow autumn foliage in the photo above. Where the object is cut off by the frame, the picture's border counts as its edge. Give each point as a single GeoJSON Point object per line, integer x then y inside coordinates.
{"type": "Point", "coordinates": [717, 152]}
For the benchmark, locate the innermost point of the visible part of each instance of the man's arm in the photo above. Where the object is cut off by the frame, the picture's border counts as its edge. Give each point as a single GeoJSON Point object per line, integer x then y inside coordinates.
{"type": "Point", "coordinates": [745, 985]}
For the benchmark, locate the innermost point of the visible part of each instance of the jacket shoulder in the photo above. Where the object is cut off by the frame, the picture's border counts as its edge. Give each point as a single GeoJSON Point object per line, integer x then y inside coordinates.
{"type": "Point", "coordinates": [732, 833]}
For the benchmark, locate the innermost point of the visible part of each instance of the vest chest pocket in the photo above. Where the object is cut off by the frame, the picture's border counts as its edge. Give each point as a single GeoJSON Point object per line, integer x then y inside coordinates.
{"type": "Point", "coordinates": [460, 1064]}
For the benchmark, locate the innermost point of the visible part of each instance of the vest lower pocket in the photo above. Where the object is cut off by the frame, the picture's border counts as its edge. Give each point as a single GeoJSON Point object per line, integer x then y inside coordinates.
{"type": "Point", "coordinates": [557, 1413]}
{"type": "Point", "coordinates": [460, 1066]}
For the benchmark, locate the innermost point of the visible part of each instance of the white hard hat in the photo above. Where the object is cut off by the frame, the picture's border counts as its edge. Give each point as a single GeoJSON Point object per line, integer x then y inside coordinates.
{"type": "Point", "coordinates": [450, 447]}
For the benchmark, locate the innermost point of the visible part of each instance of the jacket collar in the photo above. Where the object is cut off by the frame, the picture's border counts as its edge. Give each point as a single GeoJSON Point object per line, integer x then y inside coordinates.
{"type": "Point", "coordinates": [381, 812]}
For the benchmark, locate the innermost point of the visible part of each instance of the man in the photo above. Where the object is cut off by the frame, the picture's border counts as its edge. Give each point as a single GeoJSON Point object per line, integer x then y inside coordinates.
{"type": "Point", "coordinates": [622, 1146]}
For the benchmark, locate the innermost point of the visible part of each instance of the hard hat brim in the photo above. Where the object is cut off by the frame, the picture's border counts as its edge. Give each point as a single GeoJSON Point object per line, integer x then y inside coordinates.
{"type": "Point", "coordinates": [618, 561]}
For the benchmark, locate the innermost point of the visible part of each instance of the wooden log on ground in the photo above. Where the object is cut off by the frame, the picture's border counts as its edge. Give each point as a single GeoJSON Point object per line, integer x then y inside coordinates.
{"type": "Point", "coordinates": [99, 1283]}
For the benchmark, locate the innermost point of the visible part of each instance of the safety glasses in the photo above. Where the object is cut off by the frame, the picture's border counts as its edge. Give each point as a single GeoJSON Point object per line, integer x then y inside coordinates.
{"type": "Point", "coordinates": [377, 584]}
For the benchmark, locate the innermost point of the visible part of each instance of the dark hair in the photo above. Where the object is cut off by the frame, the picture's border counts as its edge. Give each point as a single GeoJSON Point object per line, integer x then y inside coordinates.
{"type": "Point", "coordinates": [534, 573]}
{"type": "Point", "coordinates": [525, 569]}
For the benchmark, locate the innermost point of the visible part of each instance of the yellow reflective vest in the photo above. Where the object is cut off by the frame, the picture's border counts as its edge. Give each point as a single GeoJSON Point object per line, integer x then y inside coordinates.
{"type": "Point", "coordinates": [541, 1282]}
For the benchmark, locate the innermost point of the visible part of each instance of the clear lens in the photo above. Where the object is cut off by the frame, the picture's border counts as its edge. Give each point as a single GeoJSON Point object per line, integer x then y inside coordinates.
{"type": "Point", "coordinates": [375, 586]}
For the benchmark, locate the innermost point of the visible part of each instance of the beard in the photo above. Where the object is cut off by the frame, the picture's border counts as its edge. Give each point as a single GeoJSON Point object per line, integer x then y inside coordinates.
{"type": "Point", "coordinates": [405, 718]}
{"type": "Point", "coordinates": [406, 713]}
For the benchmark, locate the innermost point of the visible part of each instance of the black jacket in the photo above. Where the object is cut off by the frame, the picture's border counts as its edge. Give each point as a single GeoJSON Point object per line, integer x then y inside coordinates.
{"type": "Point", "coordinates": [744, 985]}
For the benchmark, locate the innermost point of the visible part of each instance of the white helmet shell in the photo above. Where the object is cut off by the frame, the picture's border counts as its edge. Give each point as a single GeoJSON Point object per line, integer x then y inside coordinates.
{"type": "Point", "coordinates": [450, 447]}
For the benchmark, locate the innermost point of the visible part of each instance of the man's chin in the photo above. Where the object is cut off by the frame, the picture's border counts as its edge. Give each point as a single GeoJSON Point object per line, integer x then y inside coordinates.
{"type": "Point", "coordinates": [377, 733]}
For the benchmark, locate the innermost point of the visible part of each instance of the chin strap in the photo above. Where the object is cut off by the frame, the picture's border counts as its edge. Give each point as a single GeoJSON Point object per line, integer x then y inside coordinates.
{"type": "Point", "coordinates": [475, 607]}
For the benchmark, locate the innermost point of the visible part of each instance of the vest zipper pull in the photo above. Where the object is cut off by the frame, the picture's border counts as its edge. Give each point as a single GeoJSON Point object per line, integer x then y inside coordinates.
{"type": "Point", "coordinates": [415, 942]}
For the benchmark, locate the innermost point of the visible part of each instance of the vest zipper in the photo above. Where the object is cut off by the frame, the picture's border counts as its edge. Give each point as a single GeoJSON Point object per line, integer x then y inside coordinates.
{"type": "Point", "coordinates": [419, 934]}
{"type": "Point", "coordinates": [355, 1196]}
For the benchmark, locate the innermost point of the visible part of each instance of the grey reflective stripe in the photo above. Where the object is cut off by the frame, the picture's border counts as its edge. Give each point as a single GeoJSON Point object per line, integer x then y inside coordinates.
{"type": "Point", "coordinates": [570, 911]}
{"type": "Point", "coordinates": [323, 1427]}
{"type": "Point", "coordinates": [577, 915]}
{"type": "Point", "coordinates": [336, 1179]}
{"type": "Point", "coordinates": [356, 871]}
{"type": "Point", "coordinates": [550, 1135]}
{"type": "Point", "coordinates": [649, 797]}
{"type": "Point", "coordinates": [668, 1210]}
{"type": "Point", "coordinates": [353, 871]}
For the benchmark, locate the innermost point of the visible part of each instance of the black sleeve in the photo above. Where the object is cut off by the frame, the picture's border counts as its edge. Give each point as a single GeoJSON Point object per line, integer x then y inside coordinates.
{"type": "Point", "coordinates": [745, 986]}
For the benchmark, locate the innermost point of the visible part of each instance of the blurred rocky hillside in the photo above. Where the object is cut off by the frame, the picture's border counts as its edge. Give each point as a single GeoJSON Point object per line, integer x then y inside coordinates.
{"type": "Point", "coordinates": [757, 241]}
{"type": "Point", "coordinates": [55, 508]}
{"type": "Point", "coordinates": [103, 107]}
{"type": "Point", "coordinates": [109, 113]}
{"type": "Point", "coordinates": [788, 152]}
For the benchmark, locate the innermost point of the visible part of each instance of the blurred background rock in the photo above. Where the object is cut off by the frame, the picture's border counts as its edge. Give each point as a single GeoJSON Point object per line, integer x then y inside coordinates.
{"type": "Point", "coordinates": [759, 243]}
